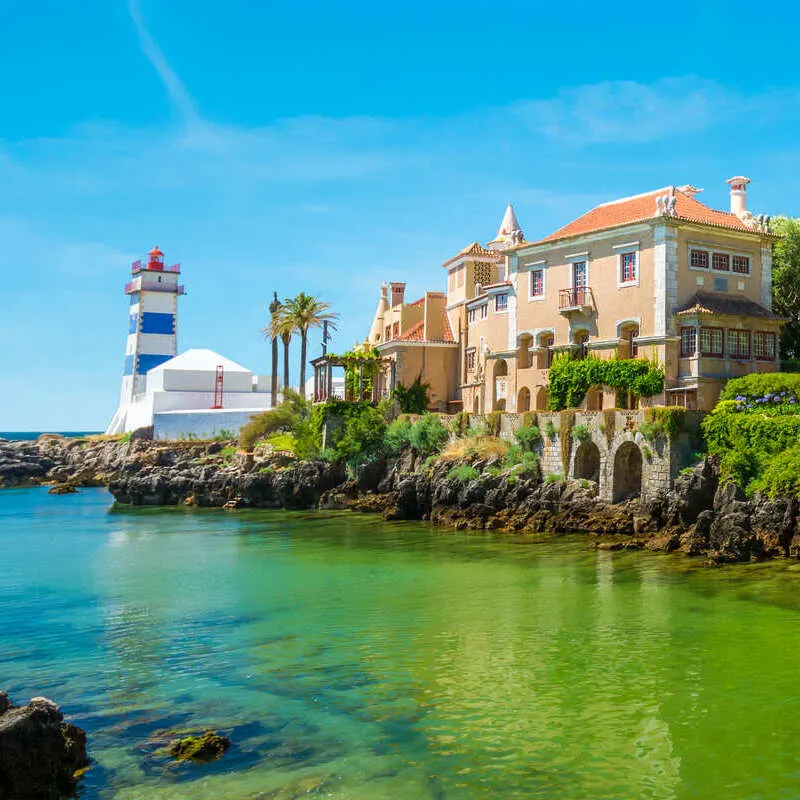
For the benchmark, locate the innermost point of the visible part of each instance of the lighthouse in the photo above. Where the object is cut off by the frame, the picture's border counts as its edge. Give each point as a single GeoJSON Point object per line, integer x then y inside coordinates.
{"type": "Point", "coordinates": [152, 327]}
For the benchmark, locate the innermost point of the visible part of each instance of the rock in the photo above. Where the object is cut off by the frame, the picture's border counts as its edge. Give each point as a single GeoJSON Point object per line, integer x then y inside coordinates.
{"type": "Point", "coordinates": [206, 747]}
{"type": "Point", "coordinates": [40, 754]}
{"type": "Point", "coordinates": [62, 488]}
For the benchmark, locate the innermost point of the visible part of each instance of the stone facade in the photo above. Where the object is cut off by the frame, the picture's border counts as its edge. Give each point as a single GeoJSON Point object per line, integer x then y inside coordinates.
{"type": "Point", "coordinates": [607, 447]}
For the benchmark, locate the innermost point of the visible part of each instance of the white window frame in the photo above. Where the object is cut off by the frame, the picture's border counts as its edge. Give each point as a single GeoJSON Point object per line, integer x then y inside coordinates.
{"type": "Point", "coordinates": [574, 259]}
{"type": "Point", "coordinates": [714, 248]}
{"type": "Point", "coordinates": [472, 315]}
{"type": "Point", "coordinates": [535, 298]}
{"type": "Point", "coordinates": [484, 310]}
{"type": "Point", "coordinates": [623, 252]}
{"type": "Point", "coordinates": [501, 310]}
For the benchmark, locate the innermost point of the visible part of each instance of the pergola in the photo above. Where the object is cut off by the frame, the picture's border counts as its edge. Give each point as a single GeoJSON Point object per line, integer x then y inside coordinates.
{"type": "Point", "coordinates": [382, 384]}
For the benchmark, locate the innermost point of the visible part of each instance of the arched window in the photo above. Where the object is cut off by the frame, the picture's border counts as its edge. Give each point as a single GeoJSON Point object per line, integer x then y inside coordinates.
{"type": "Point", "coordinates": [628, 346]}
{"type": "Point", "coordinates": [582, 340]}
{"type": "Point", "coordinates": [546, 341]}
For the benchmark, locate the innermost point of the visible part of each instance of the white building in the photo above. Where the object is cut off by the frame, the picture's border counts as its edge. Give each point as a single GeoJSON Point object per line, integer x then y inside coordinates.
{"type": "Point", "coordinates": [198, 394]}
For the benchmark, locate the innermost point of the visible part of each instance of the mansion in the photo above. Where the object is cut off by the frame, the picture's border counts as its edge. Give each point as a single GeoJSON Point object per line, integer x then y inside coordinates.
{"type": "Point", "coordinates": [659, 275]}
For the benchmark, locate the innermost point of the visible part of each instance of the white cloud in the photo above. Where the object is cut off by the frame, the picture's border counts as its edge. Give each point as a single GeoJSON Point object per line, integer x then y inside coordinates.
{"type": "Point", "coordinates": [622, 112]}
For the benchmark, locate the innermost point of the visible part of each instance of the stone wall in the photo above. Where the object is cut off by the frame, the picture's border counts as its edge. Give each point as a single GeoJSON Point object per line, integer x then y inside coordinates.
{"type": "Point", "coordinates": [607, 447]}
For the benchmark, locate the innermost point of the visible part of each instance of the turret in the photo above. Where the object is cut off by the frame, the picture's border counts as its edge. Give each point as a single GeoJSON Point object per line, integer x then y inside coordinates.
{"type": "Point", "coordinates": [376, 331]}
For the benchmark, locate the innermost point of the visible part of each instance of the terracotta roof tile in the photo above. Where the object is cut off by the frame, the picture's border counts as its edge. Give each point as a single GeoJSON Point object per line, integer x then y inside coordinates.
{"type": "Point", "coordinates": [416, 333]}
{"type": "Point", "coordinates": [417, 302]}
{"type": "Point", "coordinates": [474, 249]}
{"type": "Point", "coordinates": [714, 303]}
{"type": "Point", "coordinates": [643, 207]}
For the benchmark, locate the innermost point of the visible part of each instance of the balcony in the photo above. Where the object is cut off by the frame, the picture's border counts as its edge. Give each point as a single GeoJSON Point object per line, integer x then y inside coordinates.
{"type": "Point", "coordinates": [137, 285]}
{"type": "Point", "coordinates": [578, 300]}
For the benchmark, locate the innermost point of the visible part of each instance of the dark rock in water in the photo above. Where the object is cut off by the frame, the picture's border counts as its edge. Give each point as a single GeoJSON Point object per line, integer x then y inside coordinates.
{"type": "Point", "coordinates": [40, 754]}
{"type": "Point", "coordinates": [207, 747]}
{"type": "Point", "coordinates": [62, 488]}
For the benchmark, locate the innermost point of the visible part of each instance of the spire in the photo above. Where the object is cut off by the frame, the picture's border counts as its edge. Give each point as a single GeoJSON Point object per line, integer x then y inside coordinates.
{"type": "Point", "coordinates": [377, 322]}
{"type": "Point", "coordinates": [509, 223]}
{"type": "Point", "coordinates": [509, 232]}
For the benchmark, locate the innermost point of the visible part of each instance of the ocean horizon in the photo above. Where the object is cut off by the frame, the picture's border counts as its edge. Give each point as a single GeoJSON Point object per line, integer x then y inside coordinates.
{"type": "Point", "coordinates": [33, 435]}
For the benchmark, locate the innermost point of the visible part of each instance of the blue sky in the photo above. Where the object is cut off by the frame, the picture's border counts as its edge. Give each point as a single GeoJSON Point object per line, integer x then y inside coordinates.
{"type": "Point", "coordinates": [326, 147]}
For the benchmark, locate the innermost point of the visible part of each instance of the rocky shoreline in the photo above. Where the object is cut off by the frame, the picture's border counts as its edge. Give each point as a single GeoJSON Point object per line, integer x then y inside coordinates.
{"type": "Point", "coordinates": [698, 516]}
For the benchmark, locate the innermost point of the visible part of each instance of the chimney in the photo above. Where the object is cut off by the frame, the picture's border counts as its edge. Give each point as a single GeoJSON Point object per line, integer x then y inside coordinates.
{"type": "Point", "coordinates": [398, 293]}
{"type": "Point", "coordinates": [739, 196]}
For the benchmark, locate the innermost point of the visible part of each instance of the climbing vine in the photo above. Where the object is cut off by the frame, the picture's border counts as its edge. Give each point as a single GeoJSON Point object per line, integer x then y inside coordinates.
{"type": "Point", "coordinates": [571, 379]}
{"type": "Point", "coordinates": [361, 366]}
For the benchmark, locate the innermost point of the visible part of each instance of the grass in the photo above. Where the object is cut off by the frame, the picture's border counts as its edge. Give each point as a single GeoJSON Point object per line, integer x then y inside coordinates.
{"type": "Point", "coordinates": [483, 447]}
{"type": "Point", "coordinates": [463, 473]}
{"type": "Point", "coordinates": [281, 442]}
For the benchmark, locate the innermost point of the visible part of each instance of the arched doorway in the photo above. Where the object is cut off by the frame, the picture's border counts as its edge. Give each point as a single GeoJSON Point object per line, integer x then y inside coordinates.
{"type": "Point", "coordinates": [524, 400]}
{"type": "Point", "coordinates": [500, 385]}
{"type": "Point", "coordinates": [627, 472]}
{"type": "Point", "coordinates": [594, 399]}
{"type": "Point", "coordinates": [628, 346]}
{"type": "Point", "coordinates": [524, 355]}
{"type": "Point", "coordinates": [587, 462]}
{"type": "Point", "coordinates": [542, 399]}
{"type": "Point", "coordinates": [545, 357]}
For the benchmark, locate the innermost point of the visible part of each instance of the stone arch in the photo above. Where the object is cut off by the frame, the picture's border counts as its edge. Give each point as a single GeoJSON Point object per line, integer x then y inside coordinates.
{"type": "Point", "coordinates": [627, 331]}
{"type": "Point", "coordinates": [627, 472]}
{"type": "Point", "coordinates": [524, 354]}
{"type": "Point", "coordinates": [542, 399]}
{"type": "Point", "coordinates": [499, 384]}
{"type": "Point", "coordinates": [544, 343]}
{"type": "Point", "coordinates": [524, 400]}
{"type": "Point", "coordinates": [586, 464]}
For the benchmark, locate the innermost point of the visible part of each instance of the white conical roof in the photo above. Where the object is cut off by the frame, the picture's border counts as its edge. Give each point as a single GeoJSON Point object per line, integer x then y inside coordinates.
{"type": "Point", "coordinates": [509, 223]}
{"type": "Point", "coordinates": [200, 359]}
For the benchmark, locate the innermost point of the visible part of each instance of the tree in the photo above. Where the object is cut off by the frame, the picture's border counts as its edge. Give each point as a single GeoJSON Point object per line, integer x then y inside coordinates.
{"type": "Point", "coordinates": [786, 283]}
{"type": "Point", "coordinates": [282, 327]}
{"type": "Point", "coordinates": [303, 313]}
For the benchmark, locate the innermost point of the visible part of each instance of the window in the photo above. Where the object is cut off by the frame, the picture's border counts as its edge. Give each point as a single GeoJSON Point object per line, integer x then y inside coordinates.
{"type": "Point", "coordinates": [579, 275]}
{"type": "Point", "coordinates": [471, 316]}
{"type": "Point", "coordinates": [721, 262]}
{"type": "Point", "coordinates": [388, 332]}
{"type": "Point", "coordinates": [537, 283]}
{"type": "Point", "coordinates": [628, 272]}
{"type": "Point", "coordinates": [501, 273]}
{"type": "Point", "coordinates": [741, 264]}
{"type": "Point", "coordinates": [396, 330]}
{"type": "Point", "coordinates": [688, 342]}
{"type": "Point", "coordinates": [764, 346]}
{"type": "Point", "coordinates": [738, 344]}
{"type": "Point", "coordinates": [711, 342]}
{"type": "Point", "coordinates": [699, 259]}
{"type": "Point", "coordinates": [471, 359]}
{"type": "Point", "coordinates": [501, 302]}
{"type": "Point", "coordinates": [484, 311]}
{"type": "Point", "coordinates": [582, 340]}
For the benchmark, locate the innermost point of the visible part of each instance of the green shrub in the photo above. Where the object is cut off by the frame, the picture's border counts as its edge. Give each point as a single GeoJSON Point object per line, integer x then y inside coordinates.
{"type": "Point", "coordinates": [528, 465]}
{"type": "Point", "coordinates": [652, 430]}
{"type": "Point", "coordinates": [362, 437]}
{"type": "Point", "coordinates": [413, 399]}
{"type": "Point", "coordinates": [460, 423]}
{"type": "Point", "coordinates": [571, 379]}
{"type": "Point", "coordinates": [527, 436]}
{"type": "Point", "coordinates": [581, 433]}
{"type": "Point", "coordinates": [398, 436]}
{"type": "Point", "coordinates": [760, 385]}
{"type": "Point", "coordinates": [781, 475]}
{"type": "Point", "coordinates": [284, 417]}
{"type": "Point", "coordinates": [463, 473]}
{"type": "Point", "coordinates": [553, 477]}
{"type": "Point", "coordinates": [550, 430]}
{"type": "Point", "coordinates": [428, 435]}
{"type": "Point", "coordinates": [493, 420]}
{"type": "Point", "coordinates": [647, 453]}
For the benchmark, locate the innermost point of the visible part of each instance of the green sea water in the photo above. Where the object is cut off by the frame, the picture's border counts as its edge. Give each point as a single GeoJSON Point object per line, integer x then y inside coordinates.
{"type": "Point", "coordinates": [350, 658]}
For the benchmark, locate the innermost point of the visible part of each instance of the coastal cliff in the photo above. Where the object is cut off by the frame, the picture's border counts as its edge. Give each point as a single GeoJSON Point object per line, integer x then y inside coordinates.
{"type": "Point", "coordinates": [699, 516]}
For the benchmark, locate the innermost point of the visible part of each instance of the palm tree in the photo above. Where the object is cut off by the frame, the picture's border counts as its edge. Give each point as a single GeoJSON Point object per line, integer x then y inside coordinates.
{"type": "Point", "coordinates": [282, 327]}
{"type": "Point", "coordinates": [305, 312]}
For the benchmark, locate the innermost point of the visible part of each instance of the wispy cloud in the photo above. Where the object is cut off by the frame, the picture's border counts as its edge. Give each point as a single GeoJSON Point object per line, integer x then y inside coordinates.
{"type": "Point", "coordinates": [620, 112]}
{"type": "Point", "coordinates": [180, 97]}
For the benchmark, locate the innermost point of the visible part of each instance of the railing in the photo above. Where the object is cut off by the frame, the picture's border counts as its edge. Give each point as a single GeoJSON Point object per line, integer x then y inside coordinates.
{"type": "Point", "coordinates": [140, 266]}
{"type": "Point", "coordinates": [579, 297]}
